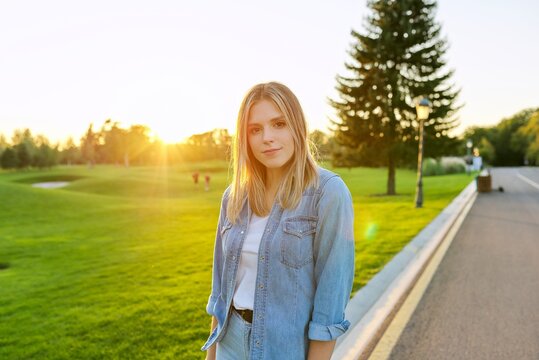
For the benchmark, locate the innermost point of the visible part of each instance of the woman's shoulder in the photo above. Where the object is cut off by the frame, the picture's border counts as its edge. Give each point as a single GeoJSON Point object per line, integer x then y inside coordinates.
{"type": "Point", "coordinates": [324, 175]}
{"type": "Point", "coordinates": [329, 181]}
{"type": "Point", "coordinates": [226, 194]}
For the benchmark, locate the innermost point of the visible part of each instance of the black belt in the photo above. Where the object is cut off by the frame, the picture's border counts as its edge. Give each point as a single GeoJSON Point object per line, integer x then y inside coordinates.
{"type": "Point", "coordinates": [246, 314]}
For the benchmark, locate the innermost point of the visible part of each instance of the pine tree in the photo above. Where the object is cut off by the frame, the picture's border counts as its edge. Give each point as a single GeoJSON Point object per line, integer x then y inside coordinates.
{"type": "Point", "coordinates": [9, 160]}
{"type": "Point", "coordinates": [88, 145]}
{"type": "Point", "coordinates": [398, 59]}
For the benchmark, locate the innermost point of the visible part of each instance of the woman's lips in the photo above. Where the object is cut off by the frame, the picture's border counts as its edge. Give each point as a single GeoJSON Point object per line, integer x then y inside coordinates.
{"type": "Point", "coordinates": [271, 151]}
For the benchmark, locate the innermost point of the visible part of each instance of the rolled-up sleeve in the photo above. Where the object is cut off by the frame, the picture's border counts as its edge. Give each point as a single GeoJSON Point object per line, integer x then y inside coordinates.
{"type": "Point", "coordinates": [334, 261]}
{"type": "Point", "coordinates": [327, 332]}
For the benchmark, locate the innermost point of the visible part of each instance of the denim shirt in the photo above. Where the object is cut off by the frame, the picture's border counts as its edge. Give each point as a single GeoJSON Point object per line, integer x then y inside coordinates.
{"type": "Point", "coordinates": [305, 271]}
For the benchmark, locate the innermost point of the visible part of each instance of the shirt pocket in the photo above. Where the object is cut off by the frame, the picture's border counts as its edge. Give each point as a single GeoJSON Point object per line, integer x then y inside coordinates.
{"type": "Point", "coordinates": [297, 241]}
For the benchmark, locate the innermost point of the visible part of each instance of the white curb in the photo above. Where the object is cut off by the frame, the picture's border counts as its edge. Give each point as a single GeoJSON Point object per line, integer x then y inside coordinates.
{"type": "Point", "coordinates": [371, 305]}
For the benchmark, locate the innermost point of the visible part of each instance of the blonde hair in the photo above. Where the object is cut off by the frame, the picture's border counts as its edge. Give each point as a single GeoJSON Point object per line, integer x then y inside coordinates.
{"type": "Point", "coordinates": [249, 175]}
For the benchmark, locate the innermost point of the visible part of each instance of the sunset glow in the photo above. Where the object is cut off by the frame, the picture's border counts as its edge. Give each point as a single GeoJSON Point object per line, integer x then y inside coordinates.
{"type": "Point", "coordinates": [183, 67]}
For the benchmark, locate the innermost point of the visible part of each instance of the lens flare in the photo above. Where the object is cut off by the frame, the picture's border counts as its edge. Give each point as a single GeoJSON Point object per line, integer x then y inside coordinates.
{"type": "Point", "coordinates": [371, 231]}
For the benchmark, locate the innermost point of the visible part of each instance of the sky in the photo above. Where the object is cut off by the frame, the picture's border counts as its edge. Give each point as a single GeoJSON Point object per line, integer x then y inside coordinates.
{"type": "Point", "coordinates": [182, 67]}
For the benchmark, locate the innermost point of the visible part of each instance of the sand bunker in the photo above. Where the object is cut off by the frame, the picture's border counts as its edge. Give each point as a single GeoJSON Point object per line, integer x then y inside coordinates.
{"type": "Point", "coordinates": [51, 184]}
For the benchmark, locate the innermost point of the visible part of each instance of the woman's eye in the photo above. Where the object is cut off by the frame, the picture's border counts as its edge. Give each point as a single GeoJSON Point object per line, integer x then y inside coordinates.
{"type": "Point", "coordinates": [280, 124]}
{"type": "Point", "coordinates": [254, 131]}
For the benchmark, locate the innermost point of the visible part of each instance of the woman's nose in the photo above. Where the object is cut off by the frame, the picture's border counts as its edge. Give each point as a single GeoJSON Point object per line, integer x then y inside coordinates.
{"type": "Point", "coordinates": [268, 135]}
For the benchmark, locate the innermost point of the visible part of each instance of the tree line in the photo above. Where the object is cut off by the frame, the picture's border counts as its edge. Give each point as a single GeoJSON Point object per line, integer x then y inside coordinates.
{"type": "Point", "coordinates": [514, 141]}
{"type": "Point", "coordinates": [27, 151]}
{"type": "Point", "coordinates": [111, 144]}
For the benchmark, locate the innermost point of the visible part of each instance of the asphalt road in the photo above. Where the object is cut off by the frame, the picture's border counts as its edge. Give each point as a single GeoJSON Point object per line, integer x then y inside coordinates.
{"type": "Point", "coordinates": [483, 301]}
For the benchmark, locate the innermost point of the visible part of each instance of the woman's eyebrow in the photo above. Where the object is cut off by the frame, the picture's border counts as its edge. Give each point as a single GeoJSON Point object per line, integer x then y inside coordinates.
{"type": "Point", "coordinates": [277, 118]}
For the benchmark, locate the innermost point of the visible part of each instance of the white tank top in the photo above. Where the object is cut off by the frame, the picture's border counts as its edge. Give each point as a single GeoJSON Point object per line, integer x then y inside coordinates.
{"type": "Point", "coordinates": [244, 294]}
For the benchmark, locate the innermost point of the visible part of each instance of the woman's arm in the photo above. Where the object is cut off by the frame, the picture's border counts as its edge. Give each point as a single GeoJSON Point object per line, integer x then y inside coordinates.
{"type": "Point", "coordinates": [333, 250]}
{"type": "Point", "coordinates": [217, 268]}
{"type": "Point", "coordinates": [320, 350]}
{"type": "Point", "coordinates": [210, 354]}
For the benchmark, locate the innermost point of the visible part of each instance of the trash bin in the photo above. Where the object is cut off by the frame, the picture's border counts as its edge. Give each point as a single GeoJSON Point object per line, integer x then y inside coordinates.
{"type": "Point", "coordinates": [484, 182]}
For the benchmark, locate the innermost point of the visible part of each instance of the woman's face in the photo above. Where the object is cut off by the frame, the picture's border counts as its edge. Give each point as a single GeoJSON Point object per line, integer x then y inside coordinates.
{"type": "Point", "coordinates": [270, 138]}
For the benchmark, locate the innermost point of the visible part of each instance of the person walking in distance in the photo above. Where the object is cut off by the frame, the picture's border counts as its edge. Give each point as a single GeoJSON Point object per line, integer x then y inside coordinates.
{"type": "Point", "coordinates": [283, 262]}
{"type": "Point", "coordinates": [207, 182]}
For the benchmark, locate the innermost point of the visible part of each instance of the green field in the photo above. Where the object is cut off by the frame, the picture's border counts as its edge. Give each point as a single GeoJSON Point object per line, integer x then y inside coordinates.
{"type": "Point", "coordinates": [117, 264]}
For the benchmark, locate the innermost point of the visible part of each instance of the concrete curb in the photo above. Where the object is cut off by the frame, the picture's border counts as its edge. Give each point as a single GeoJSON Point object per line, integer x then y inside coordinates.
{"type": "Point", "coordinates": [373, 304]}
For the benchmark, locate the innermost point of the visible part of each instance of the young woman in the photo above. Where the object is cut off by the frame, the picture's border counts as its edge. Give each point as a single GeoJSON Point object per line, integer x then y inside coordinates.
{"type": "Point", "coordinates": [283, 262]}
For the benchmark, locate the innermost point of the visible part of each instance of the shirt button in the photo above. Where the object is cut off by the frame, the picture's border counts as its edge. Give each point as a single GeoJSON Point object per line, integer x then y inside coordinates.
{"type": "Point", "coordinates": [233, 257]}
{"type": "Point", "coordinates": [241, 232]}
{"type": "Point", "coordinates": [262, 258]}
{"type": "Point", "coordinates": [257, 343]}
{"type": "Point", "coordinates": [261, 286]}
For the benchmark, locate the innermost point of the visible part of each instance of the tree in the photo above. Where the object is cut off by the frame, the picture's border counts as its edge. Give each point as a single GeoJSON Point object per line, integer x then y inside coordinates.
{"type": "Point", "coordinates": [70, 153]}
{"type": "Point", "coordinates": [509, 150]}
{"type": "Point", "coordinates": [507, 143]}
{"type": "Point", "coordinates": [486, 150]}
{"type": "Point", "coordinates": [24, 157]}
{"type": "Point", "coordinates": [24, 147]}
{"type": "Point", "coordinates": [119, 145]}
{"type": "Point", "coordinates": [209, 145]}
{"type": "Point", "coordinates": [114, 142]}
{"type": "Point", "coordinates": [475, 134]}
{"type": "Point", "coordinates": [22, 136]}
{"type": "Point", "coordinates": [137, 145]}
{"type": "Point", "coordinates": [45, 155]}
{"type": "Point", "coordinates": [529, 135]}
{"type": "Point", "coordinates": [9, 160]}
{"type": "Point", "coordinates": [88, 146]}
{"type": "Point", "coordinates": [398, 59]}
{"type": "Point", "coordinates": [3, 143]}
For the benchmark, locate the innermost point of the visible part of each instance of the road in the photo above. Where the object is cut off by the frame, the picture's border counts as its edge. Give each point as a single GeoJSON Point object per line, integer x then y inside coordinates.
{"type": "Point", "coordinates": [483, 300]}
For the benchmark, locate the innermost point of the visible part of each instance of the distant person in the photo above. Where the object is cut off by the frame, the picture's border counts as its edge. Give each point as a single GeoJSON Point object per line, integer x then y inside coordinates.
{"type": "Point", "coordinates": [207, 181]}
{"type": "Point", "coordinates": [477, 160]}
{"type": "Point", "coordinates": [195, 178]}
{"type": "Point", "coordinates": [283, 261]}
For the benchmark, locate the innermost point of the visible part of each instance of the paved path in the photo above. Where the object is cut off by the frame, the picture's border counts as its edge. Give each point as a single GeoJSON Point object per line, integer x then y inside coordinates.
{"type": "Point", "coordinates": [483, 301]}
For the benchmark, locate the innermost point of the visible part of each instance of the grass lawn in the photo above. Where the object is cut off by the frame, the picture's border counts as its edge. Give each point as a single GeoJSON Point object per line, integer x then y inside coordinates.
{"type": "Point", "coordinates": [117, 264]}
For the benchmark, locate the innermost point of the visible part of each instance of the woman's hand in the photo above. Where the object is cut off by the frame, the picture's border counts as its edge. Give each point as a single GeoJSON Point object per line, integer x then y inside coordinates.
{"type": "Point", "coordinates": [210, 354]}
{"type": "Point", "coordinates": [320, 350]}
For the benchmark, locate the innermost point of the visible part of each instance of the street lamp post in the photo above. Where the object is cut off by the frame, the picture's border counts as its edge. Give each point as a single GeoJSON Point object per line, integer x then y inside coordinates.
{"type": "Point", "coordinates": [423, 107]}
{"type": "Point", "coordinates": [469, 160]}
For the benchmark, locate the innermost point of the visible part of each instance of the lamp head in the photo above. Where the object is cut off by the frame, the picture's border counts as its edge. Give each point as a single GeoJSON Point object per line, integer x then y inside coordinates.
{"type": "Point", "coordinates": [423, 106]}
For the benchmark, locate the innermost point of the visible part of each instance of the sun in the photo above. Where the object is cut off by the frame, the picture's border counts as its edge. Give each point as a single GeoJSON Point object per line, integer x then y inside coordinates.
{"type": "Point", "coordinates": [175, 132]}
{"type": "Point", "coordinates": [172, 133]}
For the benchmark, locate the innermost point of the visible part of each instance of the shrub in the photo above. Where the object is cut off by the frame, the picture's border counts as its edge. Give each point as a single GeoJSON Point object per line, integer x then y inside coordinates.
{"type": "Point", "coordinates": [431, 167]}
{"type": "Point", "coordinates": [453, 165]}
{"type": "Point", "coordinates": [445, 165]}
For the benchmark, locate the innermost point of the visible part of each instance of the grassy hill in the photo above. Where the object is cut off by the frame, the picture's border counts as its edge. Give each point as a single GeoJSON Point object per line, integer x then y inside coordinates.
{"type": "Point", "coordinates": [118, 263]}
